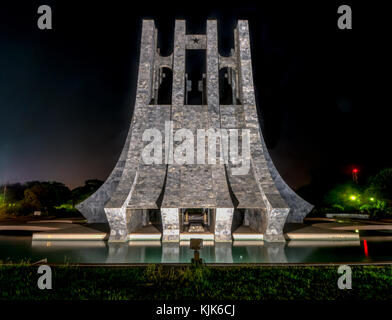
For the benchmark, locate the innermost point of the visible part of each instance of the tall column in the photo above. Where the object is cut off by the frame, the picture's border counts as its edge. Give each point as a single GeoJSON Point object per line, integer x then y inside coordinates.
{"type": "Point", "coordinates": [172, 196]}
{"type": "Point", "coordinates": [223, 222]}
{"type": "Point", "coordinates": [273, 220]}
{"type": "Point", "coordinates": [274, 190]}
{"type": "Point", "coordinates": [276, 208]}
{"type": "Point", "coordinates": [224, 212]}
{"type": "Point", "coordinates": [115, 209]}
{"type": "Point", "coordinates": [170, 225]}
{"type": "Point", "coordinates": [219, 180]}
{"type": "Point", "coordinates": [113, 194]}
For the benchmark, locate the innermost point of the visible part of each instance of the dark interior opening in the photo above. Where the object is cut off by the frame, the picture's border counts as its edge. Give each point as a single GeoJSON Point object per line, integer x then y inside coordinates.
{"type": "Point", "coordinates": [226, 94]}
{"type": "Point", "coordinates": [165, 89]}
{"type": "Point", "coordinates": [154, 218]}
{"type": "Point", "coordinates": [195, 68]}
{"type": "Point", "coordinates": [225, 89]}
{"type": "Point", "coordinates": [196, 219]}
{"type": "Point", "coordinates": [165, 37]}
{"type": "Point", "coordinates": [196, 26]}
{"type": "Point", "coordinates": [226, 39]}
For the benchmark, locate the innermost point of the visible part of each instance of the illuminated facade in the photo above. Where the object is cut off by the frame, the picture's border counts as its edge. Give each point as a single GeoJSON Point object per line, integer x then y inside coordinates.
{"type": "Point", "coordinates": [192, 200]}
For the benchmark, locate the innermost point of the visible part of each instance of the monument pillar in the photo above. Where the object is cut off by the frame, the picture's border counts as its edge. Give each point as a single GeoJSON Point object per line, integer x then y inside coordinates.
{"type": "Point", "coordinates": [170, 225]}
{"type": "Point", "coordinates": [223, 222]}
{"type": "Point", "coordinates": [134, 187]}
{"type": "Point", "coordinates": [272, 223]}
{"type": "Point", "coordinates": [170, 209]}
{"type": "Point", "coordinates": [116, 207]}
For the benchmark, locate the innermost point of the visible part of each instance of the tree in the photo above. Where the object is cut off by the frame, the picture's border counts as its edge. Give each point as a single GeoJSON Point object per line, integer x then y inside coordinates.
{"type": "Point", "coordinates": [32, 198]}
{"type": "Point", "coordinates": [345, 197]}
{"type": "Point", "coordinates": [44, 196]}
{"type": "Point", "coordinates": [380, 186]}
{"type": "Point", "coordinates": [14, 193]}
{"type": "Point", "coordinates": [81, 193]}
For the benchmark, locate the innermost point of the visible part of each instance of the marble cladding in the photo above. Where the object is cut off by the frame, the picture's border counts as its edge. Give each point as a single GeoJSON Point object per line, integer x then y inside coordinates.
{"type": "Point", "coordinates": [151, 177]}
{"type": "Point", "coordinates": [223, 222]}
{"type": "Point", "coordinates": [171, 197]}
{"type": "Point", "coordinates": [170, 224]}
{"type": "Point", "coordinates": [253, 218]}
{"type": "Point", "coordinates": [133, 187]}
{"type": "Point", "coordinates": [219, 178]}
{"type": "Point", "coordinates": [195, 42]}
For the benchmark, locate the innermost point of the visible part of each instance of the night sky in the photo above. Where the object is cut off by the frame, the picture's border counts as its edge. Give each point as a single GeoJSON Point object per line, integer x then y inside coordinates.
{"type": "Point", "coordinates": [67, 94]}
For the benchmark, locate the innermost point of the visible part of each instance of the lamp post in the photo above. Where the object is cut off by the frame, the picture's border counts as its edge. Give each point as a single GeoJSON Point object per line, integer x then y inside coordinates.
{"type": "Point", "coordinates": [196, 245]}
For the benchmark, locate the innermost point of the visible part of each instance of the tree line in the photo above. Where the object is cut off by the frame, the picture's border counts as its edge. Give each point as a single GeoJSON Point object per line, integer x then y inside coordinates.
{"type": "Point", "coordinates": [44, 196]}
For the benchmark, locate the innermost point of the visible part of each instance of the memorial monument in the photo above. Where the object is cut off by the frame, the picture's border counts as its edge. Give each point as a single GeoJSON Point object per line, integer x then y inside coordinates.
{"type": "Point", "coordinates": [209, 197]}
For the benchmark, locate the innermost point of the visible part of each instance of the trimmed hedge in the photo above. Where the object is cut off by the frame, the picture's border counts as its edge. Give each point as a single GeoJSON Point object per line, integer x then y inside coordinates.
{"type": "Point", "coordinates": [165, 282]}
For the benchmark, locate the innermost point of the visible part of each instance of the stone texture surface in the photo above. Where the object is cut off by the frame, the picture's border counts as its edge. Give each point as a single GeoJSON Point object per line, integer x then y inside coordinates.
{"type": "Point", "coordinates": [223, 222]}
{"type": "Point", "coordinates": [150, 178]}
{"type": "Point", "coordinates": [238, 219]}
{"type": "Point", "coordinates": [253, 218]}
{"type": "Point", "coordinates": [196, 179]}
{"type": "Point", "coordinates": [172, 190]}
{"type": "Point", "coordinates": [134, 187]}
{"type": "Point", "coordinates": [115, 208]}
{"type": "Point", "coordinates": [220, 185]}
{"type": "Point", "coordinates": [170, 225]}
{"type": "Point", "coordinates": [195, 42]}
{"type": "Point", "coordinates": [268, 177]}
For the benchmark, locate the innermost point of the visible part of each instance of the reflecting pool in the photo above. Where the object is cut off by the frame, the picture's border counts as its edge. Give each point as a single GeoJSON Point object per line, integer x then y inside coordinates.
{"type": "Point", "coordinates": [21, 247]}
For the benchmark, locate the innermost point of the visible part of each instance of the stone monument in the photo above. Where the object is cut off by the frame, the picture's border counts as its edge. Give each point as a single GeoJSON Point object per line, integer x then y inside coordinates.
{"type": "Point", "coordinates": [175, 196]}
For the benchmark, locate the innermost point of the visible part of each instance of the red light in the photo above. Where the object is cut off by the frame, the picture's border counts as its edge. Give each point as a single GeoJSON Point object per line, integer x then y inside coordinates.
{"type": "Point", "coordinates": [365, 247]}
{"type": "Point", "coordinates": [355, 170]}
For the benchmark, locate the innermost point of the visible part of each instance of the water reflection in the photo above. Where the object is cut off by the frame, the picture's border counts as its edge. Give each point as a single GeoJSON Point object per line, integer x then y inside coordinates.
{"type": "Point", "coordinates": [170, 252]}
{"type": "Point", "coordinates": [18, 248]}
{"type": "Point", "coordinates": [156, 252]}
{"type": "Point", "coordinates": [223, 253]}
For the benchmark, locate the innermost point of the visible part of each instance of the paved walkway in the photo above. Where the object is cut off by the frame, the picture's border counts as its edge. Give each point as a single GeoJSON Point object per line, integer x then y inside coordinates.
{"type": "Point", "coordinates": [75, 229]}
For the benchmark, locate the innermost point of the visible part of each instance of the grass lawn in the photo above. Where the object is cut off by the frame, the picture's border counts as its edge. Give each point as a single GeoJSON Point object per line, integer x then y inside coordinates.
{"type": "Point", "coordinates": [165, 282]}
